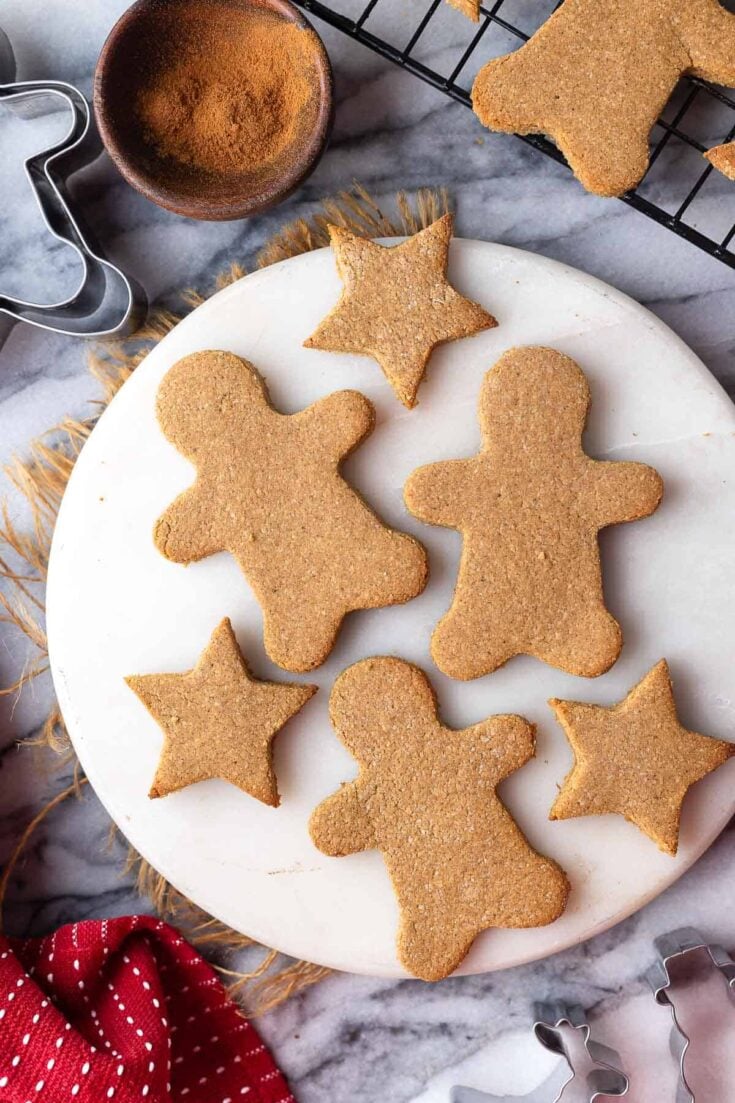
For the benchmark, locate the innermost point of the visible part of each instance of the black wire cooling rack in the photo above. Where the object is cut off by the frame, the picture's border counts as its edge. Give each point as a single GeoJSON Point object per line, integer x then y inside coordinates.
{"type": "Point", "coordinates": [429, 38]}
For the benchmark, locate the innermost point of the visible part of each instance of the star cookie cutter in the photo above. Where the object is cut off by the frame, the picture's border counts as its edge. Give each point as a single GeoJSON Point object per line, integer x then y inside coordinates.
{"type": "Point", "coordinates": [606, 1079]}
{"type": "Point", "coordinates": [677, 944]}
{"type": "Point", "coordinates": [106, 302]}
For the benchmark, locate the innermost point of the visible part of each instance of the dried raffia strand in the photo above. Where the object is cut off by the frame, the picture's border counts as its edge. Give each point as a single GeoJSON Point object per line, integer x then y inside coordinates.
{"type": "Point", "coordinates": [31, 827]}
{"type": "Point", "coordinates": [42, 480]}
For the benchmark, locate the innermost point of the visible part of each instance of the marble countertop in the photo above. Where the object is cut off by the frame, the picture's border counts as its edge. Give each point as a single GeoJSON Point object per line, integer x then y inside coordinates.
{"type": "Point", "coordinates": [349, 1037]}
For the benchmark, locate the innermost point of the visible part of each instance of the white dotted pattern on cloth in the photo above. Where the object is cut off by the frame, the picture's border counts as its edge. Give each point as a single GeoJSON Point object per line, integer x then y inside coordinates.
{"type": "Point", "coordinates": [86, 1065]}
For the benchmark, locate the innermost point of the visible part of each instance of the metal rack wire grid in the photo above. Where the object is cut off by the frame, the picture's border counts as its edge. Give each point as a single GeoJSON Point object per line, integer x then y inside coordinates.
{"type": "Point", "coordinates": [681, 191]}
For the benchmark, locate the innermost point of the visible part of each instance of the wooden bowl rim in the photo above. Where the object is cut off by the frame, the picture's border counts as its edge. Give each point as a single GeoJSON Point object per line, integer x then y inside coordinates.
{"type": "Point", "coordinates": [202, 208]}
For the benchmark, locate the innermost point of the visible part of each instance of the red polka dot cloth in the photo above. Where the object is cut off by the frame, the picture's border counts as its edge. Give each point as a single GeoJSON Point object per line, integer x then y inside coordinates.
{"type": "Point", "coordinates": [124, 1010]}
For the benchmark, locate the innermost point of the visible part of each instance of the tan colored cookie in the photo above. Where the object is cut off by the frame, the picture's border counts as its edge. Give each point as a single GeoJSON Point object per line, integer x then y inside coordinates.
{"type": "Point", "coordinates": [425, 797]}
{"type": "Point", "coordinates": [635, 759]}
{"type": "Point", "coordinates": [397, 304]}
{"type": "Point", "coordinates": [470, 8]}
{"type": "Point", "coordinates": [269, 491]}
{"type": "Point", "coordinates": [218, 721]}
{"type": "Point", "coordinates": [723, 159]}
{"type": "Point", "coordinates": [529, 506]}
{"type": "Point", "coordinates": [596, 76]}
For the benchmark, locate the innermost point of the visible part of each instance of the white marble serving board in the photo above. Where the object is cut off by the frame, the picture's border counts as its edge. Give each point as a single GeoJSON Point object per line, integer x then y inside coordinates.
{"type": "Point", "coordinates": [116, 607]}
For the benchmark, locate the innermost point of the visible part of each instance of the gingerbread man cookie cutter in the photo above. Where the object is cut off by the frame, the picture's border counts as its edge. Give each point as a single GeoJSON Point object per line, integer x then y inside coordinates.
{"type": "Point", "coordinates": [106, 302]}
{"type": "Point", "coordinates": [670, 947]}
{"type": "Point", "coordinates": [606, 1080]}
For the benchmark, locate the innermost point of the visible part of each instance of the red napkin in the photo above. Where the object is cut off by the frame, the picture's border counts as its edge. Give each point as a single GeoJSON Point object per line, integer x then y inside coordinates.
{"type": "Point", "coordinates": [124, 1010]}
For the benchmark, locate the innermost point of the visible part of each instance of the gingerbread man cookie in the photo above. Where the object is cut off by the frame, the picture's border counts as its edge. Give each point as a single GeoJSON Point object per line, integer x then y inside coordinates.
{"type": "Point", "coordinates": [218, 721]}
{"type": "Point", "coordinates": [268, 490]}
{"type": "Point", "coordinates": [397, 304]}
{"type": "Point", "coordinates": [425, 797]}
{"type": "Point", "coordinates": [529, 507]}
{"type": "Point", "coordinates": [635, 759]}
{"type": "Point", "coordinates": [596, 76]}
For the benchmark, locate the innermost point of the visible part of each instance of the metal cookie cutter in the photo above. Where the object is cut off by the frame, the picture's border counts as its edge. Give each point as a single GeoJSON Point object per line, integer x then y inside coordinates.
{"type": "Point", "coordinates": [107, 302]}
{"type": "Point", "coordinates": [606, 1079]}
{"type": "Point", "coordinates": [673, 945]}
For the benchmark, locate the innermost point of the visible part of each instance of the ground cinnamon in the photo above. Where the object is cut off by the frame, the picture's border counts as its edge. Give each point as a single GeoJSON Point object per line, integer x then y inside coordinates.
{"type": "Point", "coordinates": [232, 90]}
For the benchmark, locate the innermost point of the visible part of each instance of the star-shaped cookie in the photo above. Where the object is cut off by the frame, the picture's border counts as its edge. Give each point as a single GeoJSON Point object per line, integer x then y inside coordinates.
{"type": "Point", "coordinates": [397, 304]}
{"type": "Point", "coordinates": [218, 721]}
{"type": "Point", "coordinates": [635, 759]}
{"type": "Point", "coordinates": [426, 798]}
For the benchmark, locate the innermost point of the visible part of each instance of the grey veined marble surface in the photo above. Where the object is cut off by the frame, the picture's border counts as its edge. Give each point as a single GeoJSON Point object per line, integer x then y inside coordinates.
{"type": "Point", "coordinates": [349, 1038]}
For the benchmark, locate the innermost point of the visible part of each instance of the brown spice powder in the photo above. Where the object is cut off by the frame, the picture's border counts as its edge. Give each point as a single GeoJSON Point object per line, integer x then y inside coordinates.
{"type": "Point", "coordinates": [232, 90]}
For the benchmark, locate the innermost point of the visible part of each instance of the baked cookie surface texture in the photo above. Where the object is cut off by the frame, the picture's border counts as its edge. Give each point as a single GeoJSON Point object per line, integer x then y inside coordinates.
{"type": "Point", "coordinates": [470, 8]}
{"type": "Point", "coordinates": [425, 797]}
{"type": "Point", "coordinates": [635, 759]}
{"type": "Point", "coordinates": [218, 721]}
{"type": "Point", "coordinates": [529, 507]}
{"type": "Point", "coordinates": [397, 304]}
{"type": "Point", "coordinates": [596, 76]}
{"type": "Point", "coordinates": [268, 491]}
{"type": "Point", "coordinates": [723, 159]}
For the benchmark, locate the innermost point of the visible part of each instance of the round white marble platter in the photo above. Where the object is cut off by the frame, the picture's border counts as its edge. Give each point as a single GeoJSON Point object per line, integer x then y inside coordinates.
{"type": "Point", "coordinates": [116, 607]}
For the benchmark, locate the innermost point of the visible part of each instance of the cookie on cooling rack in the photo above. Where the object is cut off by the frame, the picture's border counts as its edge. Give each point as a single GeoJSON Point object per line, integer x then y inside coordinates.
{"type": "Point", "coordinates": [596, 76]}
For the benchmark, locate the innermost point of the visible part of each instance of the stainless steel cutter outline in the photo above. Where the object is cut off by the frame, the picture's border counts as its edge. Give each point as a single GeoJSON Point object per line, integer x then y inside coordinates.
{"type": "Point", "coordinates": [106, 302]}
{"type": "Point", "coordinates": [605, 1080]}
{"type": "Point", "coordinates": [673, 945]}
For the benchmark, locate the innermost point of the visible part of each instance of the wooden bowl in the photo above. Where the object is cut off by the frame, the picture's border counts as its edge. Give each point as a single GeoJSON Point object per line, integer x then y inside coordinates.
{"type": "Point", "coordinates": [129, 55]}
